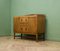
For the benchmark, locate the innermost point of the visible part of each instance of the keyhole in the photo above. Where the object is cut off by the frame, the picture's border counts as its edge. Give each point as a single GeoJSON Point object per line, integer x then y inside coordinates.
{"type": "Point", "coordinates": [25, 19]}
{"type": "Point", "coordinates": [21, 20]}
{"type": "Point", "coordinates": [21, 28]}
{"type": "Point", "coordinates": [26, 29]}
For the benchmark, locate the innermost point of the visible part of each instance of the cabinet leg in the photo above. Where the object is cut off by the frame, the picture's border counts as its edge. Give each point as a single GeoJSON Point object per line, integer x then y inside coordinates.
{"type": "Point", "coordinates": [14, 35]}
{"type": "Point", "coordinates": [21, 36]}
{"type": "Point", "coordinates": [37, 37]}
{"type": "Point", "coordinates": [44, 36]}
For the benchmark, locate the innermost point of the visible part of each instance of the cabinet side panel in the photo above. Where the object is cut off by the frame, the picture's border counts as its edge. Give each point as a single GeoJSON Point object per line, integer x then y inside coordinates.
{"type": "Point", "coordinates": [16, 24]}
{"type": "Point", "coordinates": [41, 24]}
{"type": "Point", "coordinates": [33, 24]}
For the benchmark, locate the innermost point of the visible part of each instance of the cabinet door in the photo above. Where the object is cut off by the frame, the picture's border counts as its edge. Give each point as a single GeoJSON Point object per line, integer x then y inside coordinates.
{"type": "Point", "coordinates": [33, 25]}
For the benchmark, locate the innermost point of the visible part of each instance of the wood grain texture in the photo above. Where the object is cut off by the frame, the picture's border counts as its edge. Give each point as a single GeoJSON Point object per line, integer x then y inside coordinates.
{"type": "Point", "coordinates": [30, 24]}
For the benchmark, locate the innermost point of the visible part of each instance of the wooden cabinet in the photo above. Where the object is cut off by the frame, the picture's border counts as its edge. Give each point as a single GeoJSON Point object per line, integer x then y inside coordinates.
{"type": "Point", "coordinates": [33, 24]}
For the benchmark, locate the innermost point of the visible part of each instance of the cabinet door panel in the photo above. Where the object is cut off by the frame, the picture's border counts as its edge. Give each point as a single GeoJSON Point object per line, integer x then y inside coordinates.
{"type": "Point", "coordinates": [33, 24]}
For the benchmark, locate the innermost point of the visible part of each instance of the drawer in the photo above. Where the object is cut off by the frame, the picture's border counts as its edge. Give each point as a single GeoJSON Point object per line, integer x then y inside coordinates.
{"type": "Point", "coordinates": [24, 29]}
{"type": "Point", "coordinates": [23, 19]}
{"type": "Point", "coordinates": [27, 30]}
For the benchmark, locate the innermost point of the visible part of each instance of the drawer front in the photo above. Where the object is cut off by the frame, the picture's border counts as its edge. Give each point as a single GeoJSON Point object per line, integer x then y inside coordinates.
{"type": "Point", "coordinates": [23, 19]}
{"type": "Point", "coordinates": [21, 30]}
{"type": "Point", "coordinates": [24, 29]}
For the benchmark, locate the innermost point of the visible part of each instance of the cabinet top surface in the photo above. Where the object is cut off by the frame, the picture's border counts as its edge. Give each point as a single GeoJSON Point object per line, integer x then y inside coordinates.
{"type": "Point", "coordinates": [32, 15]}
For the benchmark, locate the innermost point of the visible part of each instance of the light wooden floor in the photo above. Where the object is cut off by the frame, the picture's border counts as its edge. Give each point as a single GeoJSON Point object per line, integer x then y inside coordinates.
{"type": "Point", "coordinates": [10, 44]}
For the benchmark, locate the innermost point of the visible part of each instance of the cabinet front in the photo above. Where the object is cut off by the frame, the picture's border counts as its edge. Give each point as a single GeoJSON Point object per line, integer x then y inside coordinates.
{"type": "Point", "coordinates": [26, 25]}
{"type": "Point", "coordinates": [21, 25]}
